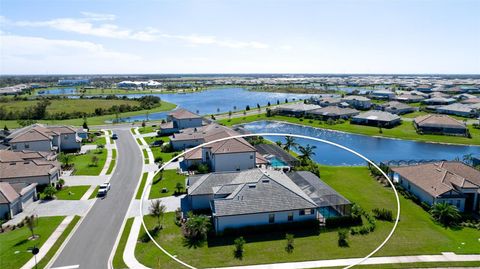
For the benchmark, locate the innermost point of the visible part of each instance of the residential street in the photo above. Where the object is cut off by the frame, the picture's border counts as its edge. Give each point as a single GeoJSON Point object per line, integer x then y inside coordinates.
{"type": "Point", "coordinates": [92, 243]}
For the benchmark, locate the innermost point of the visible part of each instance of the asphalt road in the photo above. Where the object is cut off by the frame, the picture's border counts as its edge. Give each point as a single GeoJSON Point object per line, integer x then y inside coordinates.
{"type": "Point", "coordinates": [92, 243]}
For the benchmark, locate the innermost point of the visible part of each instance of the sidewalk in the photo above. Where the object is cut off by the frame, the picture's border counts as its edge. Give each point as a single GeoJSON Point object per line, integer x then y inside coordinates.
{"type": "Point", "coordinates": [129, 253]}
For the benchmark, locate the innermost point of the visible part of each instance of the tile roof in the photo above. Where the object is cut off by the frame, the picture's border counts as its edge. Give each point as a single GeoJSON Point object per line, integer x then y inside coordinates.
{"type": "Point", "coordinates": [31, 135]}
{"type": "Point", "coordinates": [183, 114]}
{"type": "Point", "coordinates": [394, 105]}
{"type": "Point", "coordinates": [296, 107]}
{"type": "Point", "coordinates": [434, 120]}
{"type": "Point", "coordinates": [377, 115]}
{"type": "Point", "coordinates": [333, 111]}
{"type": "Point", "coordinates": [25, 164]}
{"type": "Point", "coordinates": [7, 193]}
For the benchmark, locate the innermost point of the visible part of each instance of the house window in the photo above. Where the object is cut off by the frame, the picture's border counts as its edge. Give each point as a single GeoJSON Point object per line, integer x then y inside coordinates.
{"type": "Point", "coordinates": [271, 218]}
{"type": "Point", "coordinates": [302, 212]}
{"type": "Point", "coordinates": [27, 145]}
{"type": "Point", "coordinates": [308, 211]}
{"type": "Point", "coordinates": [458, 203]}
{"type": "Point", "coordinates": [290, 216]}
{"type": "Point", "coordinates": [251, 157]}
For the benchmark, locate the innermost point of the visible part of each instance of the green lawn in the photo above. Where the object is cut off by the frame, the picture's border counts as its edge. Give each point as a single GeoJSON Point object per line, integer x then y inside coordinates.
{"type": "Point", "coordinates": [142, 186]}
{"type": "Point", "coordinates": [139, 141]}
{"type": "Point", "coordinates": [414, 114]}
{"type": "Point", "coordinates": [58, 243]}
{"type": "Point", "coordinates": [118, 262]}
{"type": "Point", "coordinates": [71, 192]}
{"type": "Point", "coordinates": [83, 163]}
{"type": "Point", "coordinates": [112, 163]}
{"type": "Point", "coordinates": [169, 181]}
{"type": "Point", "coordinates": [473, 264]}
{"type": "Point", "coordinates": [94, 193]}
{"type": "Point", "coordinates": [14, 247]}
{"type": "Point", "coordinates": [152, 139]}
{"type": "Point", "coordinates": [146, 129]}
{"type": "Point", "coordinates": [98, 140]}
{"type": "Point", "coordinates": [416, 234]}
{"type": "Point", "coordinates": [145, 155]}
{"type": "Point", "coordinates": [403, 131]}
{"type": "Point", "coordinates": [92, 121]}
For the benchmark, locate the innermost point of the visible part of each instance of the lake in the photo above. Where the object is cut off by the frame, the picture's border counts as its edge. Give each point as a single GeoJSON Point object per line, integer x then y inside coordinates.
{"type": "Point", "coordinates": [375, 149]}
{"type": "Point", "coordinates": [57, 91]}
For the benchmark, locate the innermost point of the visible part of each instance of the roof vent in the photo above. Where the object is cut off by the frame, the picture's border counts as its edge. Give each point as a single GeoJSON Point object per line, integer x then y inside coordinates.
{"type": "Point", "coordinates": [252, 186]}
{"type": "Point", "coordinates": [13, 163]}
{"type": "Point", "coordinates": [265, 180]}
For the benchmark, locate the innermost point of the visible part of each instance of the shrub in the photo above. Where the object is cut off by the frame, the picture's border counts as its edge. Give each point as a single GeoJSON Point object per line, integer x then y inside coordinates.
{"type": "Point", "coordinates": [343, 238]}
{"type": "Point", "coordinates": [238, 251]}
{"type": "Point", "coordinates": [343, 221]}
{"type": "Point", "coordinates": [290, 243]}
{"type": "Point", "coordinates": [383, 214]}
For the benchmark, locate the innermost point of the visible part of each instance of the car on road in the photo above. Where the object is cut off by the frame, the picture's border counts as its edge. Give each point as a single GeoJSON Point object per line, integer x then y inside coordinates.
{"type": "Point", "coordinates": [103, 189]}
{"type": "Point", "coordinates": [114, 136]}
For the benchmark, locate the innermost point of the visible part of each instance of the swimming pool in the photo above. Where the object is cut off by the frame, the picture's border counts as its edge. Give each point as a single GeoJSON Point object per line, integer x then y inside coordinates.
{"type": "Point", "coordinates": [276, 162]}
{"type": "Point", "coordinates": [328, 212]}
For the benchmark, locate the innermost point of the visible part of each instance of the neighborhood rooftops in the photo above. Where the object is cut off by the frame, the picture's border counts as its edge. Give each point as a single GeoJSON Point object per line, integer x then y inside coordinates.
{"type": "Point", "coordinates": [7, 193]}
{"type": "Point", "coordinates": [183, 114]}
{"type": "Point", "coordinates": [377, 115]}
{"type": "Point", "coordinates": [334, 111]}
{"type": "Point", "coordinates": [25, 164]}
{"type": "Point", "coordinates": [296, 107]}
{"type": "Point", "coordinates": [39, 132]}
{"type": "Point", "coordinates": [433, 120]}
{"type": "Point", "coordinates": [439, 178]}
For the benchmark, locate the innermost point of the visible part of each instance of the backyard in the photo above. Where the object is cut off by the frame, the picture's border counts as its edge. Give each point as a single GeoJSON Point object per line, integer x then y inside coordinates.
{"type": "Point", "coordinates": [356, 185]}
{"type": "Point", "coordinates": [403, 131]}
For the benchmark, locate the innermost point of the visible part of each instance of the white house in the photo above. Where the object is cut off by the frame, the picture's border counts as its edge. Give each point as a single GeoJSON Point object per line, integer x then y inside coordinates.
{"type": "Point", "coordinates": [453, 183]}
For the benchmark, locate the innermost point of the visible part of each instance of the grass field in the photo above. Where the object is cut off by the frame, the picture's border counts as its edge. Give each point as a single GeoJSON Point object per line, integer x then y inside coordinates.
{"type": "Point", "coordinates": [15, 246]}
{"type": "Point", "coordinates": [145, 155]}
{"type": "Point", "coordinates": [403, 131]}
{"type": "Point", "coordinates": [118, 262]}
{"type": "Point", "coordinates": [43, 263]}
{"type": "Point", "coordinates": [113, 162]}
{"type": "Point", "coordinates": [146, 129]}
{"type": "Point", "coordinates": [142, 186]}
{"type": "Point", "coordinates": [92, 121]}
{"type": "Point", "coordinates": [474, 264]}
{"type": "Point", "coordinates": [416, 233]}
{"type": "Point", "coordinates": [71, 192]}
{"type": "Point", "coordinates": [169, 181]}
{"type": "Point", "coordinates": [94, 193]}
{"type": "Point", "coordinates": [83, 163]}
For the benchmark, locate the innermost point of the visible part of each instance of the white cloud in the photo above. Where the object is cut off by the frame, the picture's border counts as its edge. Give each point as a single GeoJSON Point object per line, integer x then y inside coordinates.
{"type": "Point", "coordinates": [25, 54]}
{"type": "Point", "coordinates": [212, 40]}
{"type": "Point", "coordinates": [99, 16]}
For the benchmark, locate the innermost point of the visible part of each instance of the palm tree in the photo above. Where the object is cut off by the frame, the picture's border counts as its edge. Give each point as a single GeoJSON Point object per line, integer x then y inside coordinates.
{"type": "Point", "coordinates": [196, 227]}
{"type": "Point", "coordinates": [306, 152]}
{"type": "Point", "coordinates": [467, 158]}
{"type": "Point", "coordinates": [445, 213]}
{"type": "Point", "coordinates": [178, 187]}
{"type": "Point", "coordinates": [290, 143]}
{"type": "Point", "coordinates": [157, 210]}
{"type": "Point", "coordinates": [31, 224]}
{"type": "Point", "coordinates": [65, 158]}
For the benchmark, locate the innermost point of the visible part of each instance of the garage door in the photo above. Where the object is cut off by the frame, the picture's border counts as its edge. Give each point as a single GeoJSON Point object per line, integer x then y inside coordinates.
{"type": "Point", "coordinates": [27, 199]}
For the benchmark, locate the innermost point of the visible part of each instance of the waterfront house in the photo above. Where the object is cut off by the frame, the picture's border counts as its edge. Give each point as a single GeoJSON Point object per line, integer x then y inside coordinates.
{"type": "Point", "coordinates": [398, 108]}
{"type": "Point", "coordinates": [261, 197]}
{"type": "Point", "coordinates": [453, 183]}
{"type": "Point", "coordinates": [376, 118]}
{"type": "Point", "coordinates": [180, 119]}
{"type": "Point", "coordinates": [29, 167]}
{"type": "Point", "coordinates": [328, 101]}
{"type": "Point", "coordinates": [39, 137]}
{"type": "Point", "coordinates": [440, 124]}
{"type": "Point", "coordinates": [294, 109]}
{"type": "Point", "coordinates": [358, 102]}
{"type": "Point", "coordinates": [458, 109]}
{"type": "Point", "coordinates": [15, 197]}
{"type": "Point", "coordinates": [192, 137]}
{"type": "Point", "coordinates": [332, 112]}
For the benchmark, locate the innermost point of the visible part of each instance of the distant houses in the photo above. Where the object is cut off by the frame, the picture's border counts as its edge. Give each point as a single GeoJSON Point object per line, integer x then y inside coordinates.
{"type": "Point", "coordinates": [180, 119]}
{"type": "Point", "coordinates": [377, 118]}
{"type": "Point", "coordinates": [332, 112]}
{"type": "Point", "coordinates": [440, 124]}
{"type": "Point", "coordinates": [398, 108]}
{"type": "Point", "coordinates": [453, 183]}
{"type": "Point", "coordinates": [358, 102]}
{"type": "Point", "coordinates": [294, 109]}
{"type": "Point", "coordinates": [257, 197]}
{"type": "Point", "coordinates": [462, 110]}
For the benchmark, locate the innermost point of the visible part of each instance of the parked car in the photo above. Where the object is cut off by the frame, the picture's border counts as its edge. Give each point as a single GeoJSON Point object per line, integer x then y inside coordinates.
{"type": "Point", "coordinates": [103, 189]}
{"type": "Point", "coordinates": [114, 136]}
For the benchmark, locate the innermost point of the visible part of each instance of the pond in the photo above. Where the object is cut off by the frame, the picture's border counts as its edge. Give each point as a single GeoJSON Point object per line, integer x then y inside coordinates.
{"type": "Point", "coordinates": [374, 148]}
{"type": "Point", "coordinates": [57, 91]}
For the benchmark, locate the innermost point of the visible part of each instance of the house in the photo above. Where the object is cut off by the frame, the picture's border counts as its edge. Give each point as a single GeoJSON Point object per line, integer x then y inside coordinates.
{"type": "Point", "coordinates": [439, 101]}
{"type": "Point", "coordinates": [358, 102]}
{"type": "Point", "coordinates": [261, 197]}
{"type": "Point", "coordinates": [192, 137]}
{"type": "Point", "coordinates": [15, 197]}
{"type": "Point", "coordinates": [382, 94]}
{"type": "Point", "coordinates": [440, 124]}
{"type": "Point", "coordinates": [409, 98]}
{"type": "Point", "coordinates": [295, 109]}
{"type": "Point", "coordinates": [328, 101]}
{"type": "Point", "coordinates": [398, 108]}
{"type": "Point", "coordinates": [376, 118]}
{"type": "Point", "coordinates": [453, 183]}
{"type": "Point", "coordinates": [180, 119]}
{"type": "Point", "coordinates": [424, 88]}
{"type": "Point", "coordinates": [82, 133]}
{"type": "Point", "coordinates": [463, 110]}
{"type": "Point", "coordinates": [276, 157]}
{"type": "Point", "coordinates": [332, 112]}
{"type": "Point", "coordinates": [73, 82]}
{"type": "Point", "coordinates": [39, 137]}
{"type": "Point", "coordinates": [29, 167]}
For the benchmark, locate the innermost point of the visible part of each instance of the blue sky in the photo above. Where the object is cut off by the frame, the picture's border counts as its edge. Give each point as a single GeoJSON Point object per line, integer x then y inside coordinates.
{"type": "Point", "coordinates": [106, 36]}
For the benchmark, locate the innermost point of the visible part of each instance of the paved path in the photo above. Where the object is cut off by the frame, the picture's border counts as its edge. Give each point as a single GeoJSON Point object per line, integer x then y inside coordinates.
{"type": "Point", "coordinates": [86, 148]}
{"type": "Point", "coordinates": [91, 244]}
{"type": "Point", "coordinates": [445, 257]}
{"type": "Point", "coordinates": [129, 253]}
{"type": "Point", "coordinates": [84, 180]}
{"type": "Point", "coordinates": [49, 243]}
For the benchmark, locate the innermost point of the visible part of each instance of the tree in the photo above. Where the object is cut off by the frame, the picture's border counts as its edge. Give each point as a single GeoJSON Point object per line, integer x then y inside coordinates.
{"type": "Point", "coordinates": [85, 125]}
{"type": "Point", "coordinates": [157, 210]}
{"type": "Point", "coordinates": [196, 227]}
{"type": "Point", "coordinates": [445, 213]}
{"type": "Point", "coordinates": [49, 192]}
{"type": "Point", "coordinates": [238, 251]}
{"type": "Point", "coordinates": [343, 238]}
{"type": "Point", "coordinates": [306, 152]}
{"type": "Point", "coordinates": [290, 243]}
{"type": "Point", "coordinates": [61, 183]}
{"type": "Point", "coordinates": [179, 188]}
{"type": "Point", "coordinates": [5, 128]}
{"type": "Point", "coordinates": [65, 159]}
{"type": "Point", "coordinates": [290, 143]}
{"type": "Point", "coordinates": [247, 107]}
{"type": "Point", "coordinates": [229, 114]}
{"type": "Point", "coordinates": [94, 161]}
{"type": "Point", "coordinates": [31, 223]}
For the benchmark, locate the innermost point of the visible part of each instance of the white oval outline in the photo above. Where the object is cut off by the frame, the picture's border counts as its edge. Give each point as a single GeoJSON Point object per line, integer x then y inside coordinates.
{"type": "Point", "coordinates": [283, 135]}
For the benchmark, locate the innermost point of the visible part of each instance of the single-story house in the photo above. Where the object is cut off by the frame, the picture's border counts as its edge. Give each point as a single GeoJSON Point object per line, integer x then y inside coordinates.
{"type": "Point", "coordinates": [439, 101]}
{"type": "Point", "coordinates": [398, 108]}
{"type": "Point", "coordinates": [382, 94]}
{"type": "Point", "coordinates": [453, 183]}
{"type": "Point", "coordinates": [260, 197]}
{"type": "Point", "coordinates": [376, 118]}
{"type": "Point", "coordinates": [39, 137]}
{"type": "Point", "coordinates": [439, 124]}
{"type": "Point", "coordinates": [409, 98]}
{"type": "Point", "coordinates": [328, 101]}
{"type": "Point", "coordinates": [295, 109]}
{"type": "Point", "coordinates": [333, 112]}
{"type": "Point", "coordinates": [424, 88]}
{"type": "Point", "coordinates": [180, 119]}
{"type": "Point", "coordinates": [458, 109]}
{"type": "Point", "coordinates": [358, 102]}
{"type": "Point", "coordinates": [29, 167]}
{"type": "Point", "coordinates": [15, 197]}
